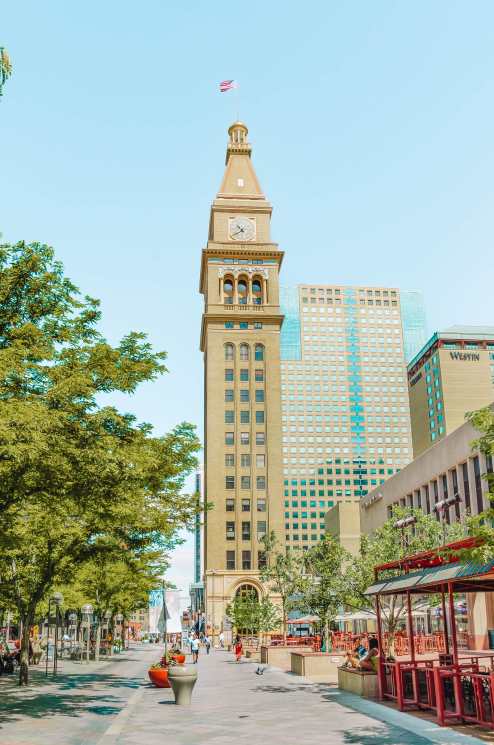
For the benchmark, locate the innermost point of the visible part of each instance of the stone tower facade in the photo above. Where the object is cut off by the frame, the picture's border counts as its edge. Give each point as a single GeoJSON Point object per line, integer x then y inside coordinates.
{"type": "Point", "coordinates": [240, 339]}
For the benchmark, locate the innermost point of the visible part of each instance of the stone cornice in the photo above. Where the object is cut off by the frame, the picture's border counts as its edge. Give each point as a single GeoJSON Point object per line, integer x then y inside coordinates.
{"type": "Point", "coordinates": [253, 251]}
{"type": "Point", "coordinates": [275, 318]}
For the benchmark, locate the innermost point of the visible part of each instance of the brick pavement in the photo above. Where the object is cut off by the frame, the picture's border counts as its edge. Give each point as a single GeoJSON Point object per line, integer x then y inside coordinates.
{"type": "Point", "coordinates": [231, 706]}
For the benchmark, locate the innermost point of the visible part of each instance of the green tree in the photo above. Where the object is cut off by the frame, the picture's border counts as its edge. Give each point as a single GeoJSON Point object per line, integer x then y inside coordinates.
{"type": "Point", "coordinates": [390, 543]}
{"type": "Point", "coordinates": [242, 613]}
{"type": "Point", "coordinates": [268, 618]}
{"type": "Point", "coordinates": [481, 526]}
{"type": "Point", "coordinates": [284, 575]}
{"type": "Point", "coordinates": [327, 588]}
{"type": "Point", "coordinates": [116, 582]}
{"type": "Point", "coordinates": [254, 615]}
{"type": "Point", "coordinates": [75, 475]}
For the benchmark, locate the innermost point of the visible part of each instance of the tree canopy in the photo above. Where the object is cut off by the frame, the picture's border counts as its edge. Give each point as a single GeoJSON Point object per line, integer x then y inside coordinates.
{"type": "Point", "coordinates": [327, 588]}
{"type": "Point", "coordinates": [78, 478]}
{"type": "Point", "coordinates": [284, 575]}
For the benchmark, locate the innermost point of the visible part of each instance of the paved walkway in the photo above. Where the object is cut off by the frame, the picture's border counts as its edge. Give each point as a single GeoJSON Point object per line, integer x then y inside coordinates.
{"type": "Point", "coordinates": [114, 705]}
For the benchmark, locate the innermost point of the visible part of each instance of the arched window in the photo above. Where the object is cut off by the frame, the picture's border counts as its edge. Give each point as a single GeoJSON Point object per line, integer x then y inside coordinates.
{"type": "Point", "coordinates": [228, 290]}
{"type": "Point", "coordinates": [259, 352]}
{"type": "Point", "coordinates": [257, 291]}
{"type": "Point", "coordinates": [229, 350]}
{"type": "Point", "coordinates": [246, 591]}
{"type": "Point", "coordinates": [244, 352]}
{"type": "Point", "coordinates": [243, 291]}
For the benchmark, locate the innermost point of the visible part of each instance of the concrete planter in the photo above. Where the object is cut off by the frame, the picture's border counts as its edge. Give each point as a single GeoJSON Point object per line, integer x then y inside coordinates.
{"type": "Point", "coordinates": [279, 656]}
{"type": "Point", "coordinates": [320, 667]}
{"type": "Point", "coordinates": [362, 682]}
{"type": "Point", "coordinates": [182, 679]}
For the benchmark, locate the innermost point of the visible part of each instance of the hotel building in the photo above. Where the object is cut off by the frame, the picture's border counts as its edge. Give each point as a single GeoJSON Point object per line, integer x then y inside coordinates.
{"type": "Point", "coordinates": [345, 413]}
{"type": "Point", "coordinates": [450, 376]}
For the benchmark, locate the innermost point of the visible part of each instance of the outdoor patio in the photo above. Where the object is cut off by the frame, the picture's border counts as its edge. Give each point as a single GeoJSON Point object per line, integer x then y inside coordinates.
{"type": "Point", "coordinates": [456, 684]}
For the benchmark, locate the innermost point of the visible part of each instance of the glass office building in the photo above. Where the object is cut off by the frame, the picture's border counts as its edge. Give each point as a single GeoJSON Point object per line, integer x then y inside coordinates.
{"type": "Point", "coordinates": [414, 322]}
{"type": "Point", "coordinates": [345, 413]}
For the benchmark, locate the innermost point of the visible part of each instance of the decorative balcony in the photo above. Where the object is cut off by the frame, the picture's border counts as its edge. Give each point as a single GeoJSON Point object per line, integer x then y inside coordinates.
{"type": "Point", "coordinates": [247, 308]}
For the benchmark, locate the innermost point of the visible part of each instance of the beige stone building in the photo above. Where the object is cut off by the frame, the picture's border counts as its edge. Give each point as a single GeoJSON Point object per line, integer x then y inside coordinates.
{"type": "Point", "coordinates": [451, 375]}
{"type": "Point", "coordinates": [141, 617]}
{"type": "Point", "coordinates": [240, 339]}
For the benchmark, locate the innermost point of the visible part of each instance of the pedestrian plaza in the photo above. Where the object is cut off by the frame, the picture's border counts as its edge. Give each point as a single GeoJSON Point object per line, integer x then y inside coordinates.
{"type": "Point", "coordinates": [112, 703]}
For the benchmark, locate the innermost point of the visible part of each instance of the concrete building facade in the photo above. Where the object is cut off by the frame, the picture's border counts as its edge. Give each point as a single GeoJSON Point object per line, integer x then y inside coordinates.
{"type": "Point", "coordinates": [240, 339]}
{"type": "Point", "coordinates": [447, 468]}
{"type": "Point", "coordinates": [345, 413]}
{"type": "Point", "coordinates": [343, 524]}
{"type": "Point", "coordinates": [450, 376]}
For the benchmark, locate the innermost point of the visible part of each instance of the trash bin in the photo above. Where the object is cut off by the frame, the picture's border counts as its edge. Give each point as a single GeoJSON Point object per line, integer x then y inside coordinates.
{"type": "Point", "coordinates": [490, 632]}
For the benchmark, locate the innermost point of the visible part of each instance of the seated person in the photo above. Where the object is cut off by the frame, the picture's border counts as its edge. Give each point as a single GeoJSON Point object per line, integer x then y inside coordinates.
{"type": "Point", "coordinates": [353, 658]}
{"type": "Point", "coordinates": [370, 659]}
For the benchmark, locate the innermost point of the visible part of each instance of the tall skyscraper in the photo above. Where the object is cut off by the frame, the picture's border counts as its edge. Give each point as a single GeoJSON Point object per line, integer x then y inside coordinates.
{"type": "Point", "coordinates": [345, 413]}
{"type": "Point", "coordinates": [452, 375]}
{"type": "Point", "coordinates": [240, 338]}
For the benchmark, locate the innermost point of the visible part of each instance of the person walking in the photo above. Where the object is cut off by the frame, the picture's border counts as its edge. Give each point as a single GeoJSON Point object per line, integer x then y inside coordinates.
{"type": "Point", "coordinates": [195, 649]}
{"type": "Point", "coordinates": [222, 640]}
{"type": "Point", "coordinates": [207, 643]}
{"type": "Point", "coordinates": [238, 648]}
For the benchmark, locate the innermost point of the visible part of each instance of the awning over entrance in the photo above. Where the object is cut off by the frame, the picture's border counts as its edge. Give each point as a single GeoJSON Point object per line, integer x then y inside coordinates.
{"type": "Point", "coordinates": [432, 578]}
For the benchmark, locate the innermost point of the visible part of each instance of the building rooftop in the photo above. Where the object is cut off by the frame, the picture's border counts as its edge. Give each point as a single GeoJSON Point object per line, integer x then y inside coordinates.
{"type": "Point", "coordinates": [455, 333]}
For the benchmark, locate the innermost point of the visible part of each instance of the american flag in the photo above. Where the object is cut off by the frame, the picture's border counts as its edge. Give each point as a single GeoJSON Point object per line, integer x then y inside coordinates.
{"type": "Point", "coordinates": [227, 85]}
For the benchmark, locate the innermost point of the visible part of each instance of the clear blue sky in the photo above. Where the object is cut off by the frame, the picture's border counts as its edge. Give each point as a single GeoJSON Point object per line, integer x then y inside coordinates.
{"type": "Point", "coordinates": [372, 126]}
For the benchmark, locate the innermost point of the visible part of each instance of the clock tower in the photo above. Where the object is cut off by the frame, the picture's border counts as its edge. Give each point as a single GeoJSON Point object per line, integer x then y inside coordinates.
{"type": "Point", "coordinates": [240, 339]}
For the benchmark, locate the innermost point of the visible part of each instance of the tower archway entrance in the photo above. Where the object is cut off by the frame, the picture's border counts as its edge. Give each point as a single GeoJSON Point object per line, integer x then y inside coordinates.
{"type": "Point", "coordinates": [246, 599]}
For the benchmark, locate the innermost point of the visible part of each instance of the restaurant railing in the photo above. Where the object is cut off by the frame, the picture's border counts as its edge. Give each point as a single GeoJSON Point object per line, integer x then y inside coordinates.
{"type": "Point", "coordinates": [463, 692]}
{"type": "Point", "coordinates": [424, 643]}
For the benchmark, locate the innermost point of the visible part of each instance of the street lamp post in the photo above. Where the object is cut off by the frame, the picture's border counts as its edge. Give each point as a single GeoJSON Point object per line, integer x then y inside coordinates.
{"type": "Point", "coordinates": [72, 629]}
{"type": "Point", "coordinates": [402, 525]}
{"type": "Point", "coordinates": [107, 617]}
{"type": "Point", "coordinates": [87, 611]}
{"type": "Point", "coordinates": [119, 620]}
{"type": "Point", "coordinates": [163, 587]}
{"type": "Point", "coordinates": [441, 509]}
{"type": "Point", "coordinates": [57, 600]}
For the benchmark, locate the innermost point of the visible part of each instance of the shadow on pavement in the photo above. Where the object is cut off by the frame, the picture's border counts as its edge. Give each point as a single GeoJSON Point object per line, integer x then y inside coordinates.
{"type": "Point", "coordinates": [305, 687]}
{"type": "Point", "coordinates": [43, 705]}
{"type": "Point", "coordinates": [383, 735]}
{"type": "Point", "coordinates": [55, 696]}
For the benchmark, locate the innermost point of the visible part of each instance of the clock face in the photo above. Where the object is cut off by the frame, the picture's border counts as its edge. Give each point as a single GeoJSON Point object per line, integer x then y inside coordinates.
{"type": "Point", "coordinates": [242, 229]}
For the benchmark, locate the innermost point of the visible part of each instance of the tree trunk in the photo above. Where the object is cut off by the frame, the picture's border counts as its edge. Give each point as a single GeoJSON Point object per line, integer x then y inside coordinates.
{"type": "Point", "coordinates": [326, 635]}
{"type": "Point", "coordinates": [285, 621]}
{"type": "Point", "coordinates": [110, 634]}
{"type": "Point", "coordinates": [27, 620]}
{"type": "Point", "coordinates": [97, 642]}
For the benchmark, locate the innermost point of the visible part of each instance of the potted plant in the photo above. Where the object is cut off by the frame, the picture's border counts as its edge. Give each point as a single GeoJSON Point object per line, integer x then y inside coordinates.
{"type": "Point", "coordinates": [177, 656]}
{"type": "Point", "coordinates": [158, 673]}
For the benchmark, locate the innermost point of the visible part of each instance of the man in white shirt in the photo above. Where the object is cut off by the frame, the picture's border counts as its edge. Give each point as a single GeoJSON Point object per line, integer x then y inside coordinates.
{"type": "Point", "coordinates": [195, 649]}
